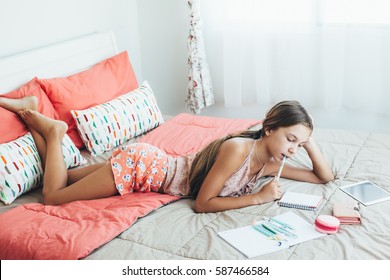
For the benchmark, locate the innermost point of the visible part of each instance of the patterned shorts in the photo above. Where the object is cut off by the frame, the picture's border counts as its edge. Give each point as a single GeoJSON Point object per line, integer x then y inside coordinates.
{"type": "Point", "coordinates": [138, 167]}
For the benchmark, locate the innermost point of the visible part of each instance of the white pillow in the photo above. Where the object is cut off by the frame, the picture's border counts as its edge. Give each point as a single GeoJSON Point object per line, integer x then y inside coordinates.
{"type": "Point", "coordinates": [21, 167]}
{"type": "Point", "coordinates": [108, 125]}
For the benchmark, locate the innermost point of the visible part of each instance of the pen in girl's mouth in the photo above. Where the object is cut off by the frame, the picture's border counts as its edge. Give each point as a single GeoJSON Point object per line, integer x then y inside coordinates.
{"type": "Point", "coordinates": [281, 168]}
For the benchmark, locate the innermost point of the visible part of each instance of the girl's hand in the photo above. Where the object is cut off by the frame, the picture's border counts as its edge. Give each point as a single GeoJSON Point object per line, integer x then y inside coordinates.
{"type": "Point", "coordinates": [309, 143]}
{"type": "Point", "coordinates": [269, 192]}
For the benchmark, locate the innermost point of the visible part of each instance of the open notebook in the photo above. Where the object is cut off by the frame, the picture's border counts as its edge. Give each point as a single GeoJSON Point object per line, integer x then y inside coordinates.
{"type": "Point", "coordinates": [252, 243]}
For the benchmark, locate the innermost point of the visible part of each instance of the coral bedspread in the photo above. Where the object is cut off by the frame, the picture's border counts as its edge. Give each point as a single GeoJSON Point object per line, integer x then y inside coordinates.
{"type": "Point", "coordinates": [71, 231]}
{"type": "Point", "coordinates": [74, 230]}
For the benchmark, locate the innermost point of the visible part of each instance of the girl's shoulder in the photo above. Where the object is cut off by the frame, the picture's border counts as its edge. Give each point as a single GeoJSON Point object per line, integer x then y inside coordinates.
{"type": "Point", "coordinates": [237, 146]}
{"type": "Point", "coordinates": [242, 141]}
{"type": "Point", "coordinates": [231, 156]}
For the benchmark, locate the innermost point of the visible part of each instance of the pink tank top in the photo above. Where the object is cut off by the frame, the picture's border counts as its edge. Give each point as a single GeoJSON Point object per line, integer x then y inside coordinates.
{"type": "Point", "coordinates": [176, 182]}
{"type": "Point", "coordinates": [239, 182]}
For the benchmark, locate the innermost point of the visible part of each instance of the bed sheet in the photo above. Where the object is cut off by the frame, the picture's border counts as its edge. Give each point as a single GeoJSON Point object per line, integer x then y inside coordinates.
{"type": "Point", "coordinates": [179, 233]}
{"type": "Point", "coordinates": [175, 231]}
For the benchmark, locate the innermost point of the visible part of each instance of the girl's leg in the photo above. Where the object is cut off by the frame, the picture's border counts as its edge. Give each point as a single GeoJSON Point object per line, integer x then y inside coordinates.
{"type": "Point", "coordinates": [98, 184]}
{"type": "Point", "coordinates": [55, 175]}
{"type": "Point", "coordinates": [40, 143]}
{"type": "Point", "coordinates": [31, 102]}
{"type": "Point", "coordinates": [77, 174]}
{"type": "Point", "coordinates": [20, 104]}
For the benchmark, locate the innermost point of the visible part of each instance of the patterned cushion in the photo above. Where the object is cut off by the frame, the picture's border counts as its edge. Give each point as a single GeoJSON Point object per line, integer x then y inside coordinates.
{"type": "Point", "coordinates": [21, 167]}
{"type": "Point", "coordinates": [72, 156]}
{"type": "Point", "coordinates": [110, 124]}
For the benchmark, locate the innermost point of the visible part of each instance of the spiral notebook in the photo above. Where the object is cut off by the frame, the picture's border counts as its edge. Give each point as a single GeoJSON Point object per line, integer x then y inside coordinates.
{"type": "Point", "coordinates": [300, 200]}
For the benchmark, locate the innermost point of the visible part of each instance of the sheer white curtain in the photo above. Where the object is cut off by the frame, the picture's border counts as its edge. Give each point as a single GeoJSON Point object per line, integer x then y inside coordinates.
{"type": "Point", "coordinates": [327, 53]}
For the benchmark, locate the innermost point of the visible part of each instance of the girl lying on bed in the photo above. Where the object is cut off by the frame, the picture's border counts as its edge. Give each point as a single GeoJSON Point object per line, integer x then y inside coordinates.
{"type": "Point", "coordinates": [220, 177]}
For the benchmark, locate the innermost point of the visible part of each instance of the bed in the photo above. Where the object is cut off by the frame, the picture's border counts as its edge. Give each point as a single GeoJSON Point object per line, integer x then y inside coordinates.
{"type": "Point", "coordinates": [170, 229]}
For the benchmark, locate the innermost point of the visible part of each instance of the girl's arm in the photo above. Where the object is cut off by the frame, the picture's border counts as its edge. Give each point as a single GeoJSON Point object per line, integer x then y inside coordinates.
{"type": "Point", "coordinates": [320, 174]}
{"type": "Point", "coordinates": [321, 168]}
{"type": "Point", "coordinates": [229, 159]}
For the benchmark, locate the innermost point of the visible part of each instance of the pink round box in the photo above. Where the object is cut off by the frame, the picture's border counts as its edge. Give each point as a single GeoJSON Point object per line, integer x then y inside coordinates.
{"type": "Point", "coordinates": [327, 224]}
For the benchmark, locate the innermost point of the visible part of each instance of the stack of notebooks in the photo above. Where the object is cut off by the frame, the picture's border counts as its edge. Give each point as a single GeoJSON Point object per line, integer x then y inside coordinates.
{"type": "Point", "coordinates": [347, 212]}
{"type": "Point", "coordinates": [300, 200]}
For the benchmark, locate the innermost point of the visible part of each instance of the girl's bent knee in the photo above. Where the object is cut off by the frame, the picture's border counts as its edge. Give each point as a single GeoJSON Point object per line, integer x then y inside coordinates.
{"type": "Point", "coordinates": [49, 199]}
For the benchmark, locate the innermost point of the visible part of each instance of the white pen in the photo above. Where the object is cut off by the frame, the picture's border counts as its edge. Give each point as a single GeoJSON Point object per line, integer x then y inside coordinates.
{"type": "Point", "coordinates": [281, 168]}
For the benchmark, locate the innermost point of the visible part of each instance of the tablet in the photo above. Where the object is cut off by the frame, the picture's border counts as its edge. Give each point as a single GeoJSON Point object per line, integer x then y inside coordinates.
{"type": "Point", "coordinates": [366, 192]}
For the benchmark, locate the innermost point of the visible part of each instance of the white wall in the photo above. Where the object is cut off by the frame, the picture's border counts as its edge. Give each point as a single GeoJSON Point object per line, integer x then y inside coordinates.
{"type": "Point", "coordinates": [154, 33]}
{"type": "Point", "coordinates": [26, 24]}
{"type": "Point", "coordinates": [163, 32]}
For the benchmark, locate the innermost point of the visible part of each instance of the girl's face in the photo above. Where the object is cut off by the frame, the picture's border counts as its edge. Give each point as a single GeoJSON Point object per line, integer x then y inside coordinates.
{"type": "Point", "coordinates": [285, 141]}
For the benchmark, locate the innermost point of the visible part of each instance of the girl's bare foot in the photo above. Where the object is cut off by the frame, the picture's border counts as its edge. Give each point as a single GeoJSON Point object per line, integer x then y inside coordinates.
{"type": "Point", "coordinates": [47, 127]}
{"type": "Point", "coordinates": [19, 104]}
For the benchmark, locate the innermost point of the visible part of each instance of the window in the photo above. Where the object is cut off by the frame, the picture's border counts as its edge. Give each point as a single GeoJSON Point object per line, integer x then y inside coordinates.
{"type": "Point", "coordinates": [356, 11]}
{"type": "Point", "coordinates": [269, 11]}
{"type": "Point", "coordinates": [365, 12]}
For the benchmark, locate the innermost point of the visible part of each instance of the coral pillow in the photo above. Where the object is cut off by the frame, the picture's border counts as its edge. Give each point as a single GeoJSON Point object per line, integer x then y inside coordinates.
{"type": "Point", "coordinates": [12, 126]}
{"type": "Point", "coordinates": [103, 82]}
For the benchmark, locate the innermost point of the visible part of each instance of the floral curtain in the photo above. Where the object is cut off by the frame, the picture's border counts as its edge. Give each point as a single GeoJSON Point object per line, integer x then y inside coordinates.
{"type": "Point", "coordinates": [200, 90]}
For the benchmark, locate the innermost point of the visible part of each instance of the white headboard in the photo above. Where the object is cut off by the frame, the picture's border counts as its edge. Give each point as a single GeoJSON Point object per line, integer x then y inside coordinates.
{"type": "Point", "coordinates": [57, 60]}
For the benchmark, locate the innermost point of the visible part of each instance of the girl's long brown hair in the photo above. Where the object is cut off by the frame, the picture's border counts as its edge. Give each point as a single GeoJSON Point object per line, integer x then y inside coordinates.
{"type": "Point", "coordinates": [283, 114]}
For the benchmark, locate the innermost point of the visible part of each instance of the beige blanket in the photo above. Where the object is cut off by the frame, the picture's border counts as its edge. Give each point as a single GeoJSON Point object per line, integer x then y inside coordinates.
{"type": "Point", "coordinates": [176, 232]}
